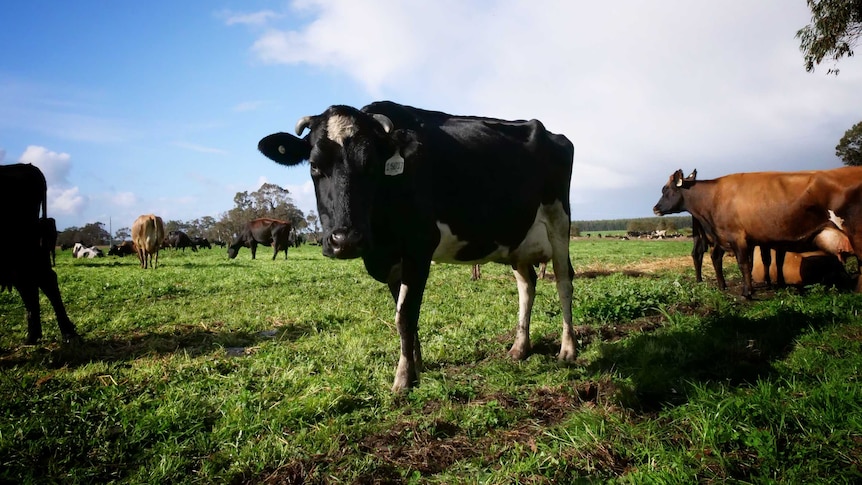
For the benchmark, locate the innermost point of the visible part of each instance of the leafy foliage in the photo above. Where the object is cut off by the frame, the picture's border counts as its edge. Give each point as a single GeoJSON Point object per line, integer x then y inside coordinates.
{"type": "Point", "coordinates": [835, 27]}
{"type": "Point", "coordinates": [849, 149]}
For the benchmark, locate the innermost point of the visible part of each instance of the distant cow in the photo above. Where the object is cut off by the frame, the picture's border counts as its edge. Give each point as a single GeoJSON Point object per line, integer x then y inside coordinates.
{"type": "Point", "coordinates": [180, 240]}
{"type": "Point", "coordinates": [400, 186]}
{"type": "Point", "coordinates": [148, 232]}
{"type": "Point", "coordinates": [270, 232]}
{"type": "Point", "coordinates": [201, 242]}
{"type": "Point", "coordinates": [26, 265]}
{"type": "Point", "coordinates": [786, 211]}
{"type": "Point", "coordinates": [80, 251]}
{"type": "Point", "coordinates": [122, 249]}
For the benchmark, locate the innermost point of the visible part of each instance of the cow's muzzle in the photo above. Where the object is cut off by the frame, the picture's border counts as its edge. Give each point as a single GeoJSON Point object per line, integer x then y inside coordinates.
{"type": "Point", "coordinates": [344, 244]}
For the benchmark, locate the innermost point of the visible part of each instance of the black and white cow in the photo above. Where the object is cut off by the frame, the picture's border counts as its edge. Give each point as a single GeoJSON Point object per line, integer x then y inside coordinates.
{"type": "Point", "coordinates": [79, 251]}
{"type": "Point", "coordinates": [23, 193]}
{"type": "Point", "coordinates": [400, 186]}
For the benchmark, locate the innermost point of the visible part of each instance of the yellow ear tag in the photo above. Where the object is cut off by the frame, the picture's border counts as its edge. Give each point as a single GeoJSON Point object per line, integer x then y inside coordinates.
{"type": "Point", "coordinates": [394, 166]}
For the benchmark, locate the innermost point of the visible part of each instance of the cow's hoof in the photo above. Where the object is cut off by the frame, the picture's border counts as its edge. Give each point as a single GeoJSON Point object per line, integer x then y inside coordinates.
{"type": "Point", "coordinates": [519, 353]}
{"type": "Point", "coordinates": [567, 356]}
{"type": "Point", "coordinates": [32, 340]}
{"type": "Point", "coordinates": [72, 338]}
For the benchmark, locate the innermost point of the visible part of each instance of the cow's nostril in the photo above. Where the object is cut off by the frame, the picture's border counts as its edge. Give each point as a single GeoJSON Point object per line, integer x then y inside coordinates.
{"type": "Point", "coordinates": [338, 238]}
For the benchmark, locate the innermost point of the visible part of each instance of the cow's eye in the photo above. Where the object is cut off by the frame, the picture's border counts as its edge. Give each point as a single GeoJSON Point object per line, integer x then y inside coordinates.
{"type": "Point", "coordinates": [315, 170]}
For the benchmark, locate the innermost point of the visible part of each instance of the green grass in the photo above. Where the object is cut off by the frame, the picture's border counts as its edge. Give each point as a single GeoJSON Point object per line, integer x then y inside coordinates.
{"type": "Point", "coordinates": [209, 370]}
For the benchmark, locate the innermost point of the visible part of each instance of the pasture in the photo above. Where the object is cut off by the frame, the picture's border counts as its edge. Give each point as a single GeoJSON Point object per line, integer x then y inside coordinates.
{"type": "Point", "coordinates": [209, 370]}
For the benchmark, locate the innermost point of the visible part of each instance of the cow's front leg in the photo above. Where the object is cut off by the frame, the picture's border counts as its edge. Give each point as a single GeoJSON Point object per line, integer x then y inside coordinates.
{"type": "Point", "coordinates": [407, 305]}
{"type": "Point", "coordinates": [525, 276]}
{"type": "Point", "coordinates": [253, 247]}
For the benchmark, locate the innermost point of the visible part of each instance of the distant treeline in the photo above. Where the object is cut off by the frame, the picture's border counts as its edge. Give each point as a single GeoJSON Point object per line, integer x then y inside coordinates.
{"type": "Point", "coordinates": [645, 224]}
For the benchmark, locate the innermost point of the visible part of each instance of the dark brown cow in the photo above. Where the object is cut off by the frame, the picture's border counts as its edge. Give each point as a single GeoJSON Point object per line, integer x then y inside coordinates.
{"type": "Point", "coordinates": [787, 211]}
{"type": "Point", "coordinates": [23, 192]}
{"type": "Point", "coordinates": [122, 249]}
{"type": "Point", "coordinates": [271, 232]}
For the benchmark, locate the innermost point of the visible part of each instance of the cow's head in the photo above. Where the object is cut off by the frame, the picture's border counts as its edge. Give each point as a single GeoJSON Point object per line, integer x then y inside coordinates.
{"type": "Point", "coordinates": [671, 200]}
{"type": "Point", "coordinates": [350, 153]}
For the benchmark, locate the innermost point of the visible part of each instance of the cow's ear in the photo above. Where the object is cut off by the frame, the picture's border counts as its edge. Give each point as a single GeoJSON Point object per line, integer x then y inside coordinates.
{"type": "Point", "coordinates": [285, 148]}
{"type": "Point", "coordinates": [407, 142]}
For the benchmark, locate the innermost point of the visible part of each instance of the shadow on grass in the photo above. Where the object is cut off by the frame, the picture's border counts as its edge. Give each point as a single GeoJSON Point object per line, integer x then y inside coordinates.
{"type": "Point", "coordinates": [186, 339]}
{"type": "Point", "coordinates": [722, 349]}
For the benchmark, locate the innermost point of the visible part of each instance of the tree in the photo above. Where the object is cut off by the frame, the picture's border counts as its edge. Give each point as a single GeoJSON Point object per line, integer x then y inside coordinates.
{"type": "Point", "coordinates": [849, 149]}
{"type": "Point", "coordinates": [123, 233]}
{"type": "Point", "coordinates": [269, 200]}
{"type": "Point", "coordinates": [835, 27]}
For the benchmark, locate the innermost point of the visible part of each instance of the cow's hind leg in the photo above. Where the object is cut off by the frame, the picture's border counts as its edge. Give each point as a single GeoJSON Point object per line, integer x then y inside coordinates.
{"type": "Point", "coordinates": [717, 257]}
{"type": "Point", "coordinates": [29, 292]}
{"type": "Point", "coordinates": [564, 274]}
{"type": "Point", "coordinates": [49, 285]}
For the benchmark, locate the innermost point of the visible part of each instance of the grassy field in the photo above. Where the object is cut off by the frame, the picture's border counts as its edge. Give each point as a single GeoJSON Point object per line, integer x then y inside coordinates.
{"type": "Point", "coordinates": [208, 370]}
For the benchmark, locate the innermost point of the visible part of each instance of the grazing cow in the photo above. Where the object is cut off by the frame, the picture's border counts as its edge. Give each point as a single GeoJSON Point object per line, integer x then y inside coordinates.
{"type": "Point", "coordinates": [271, 232]}
{"type": "Point", "coordinates": [400, 186]}
{"type": "Point", "coordinates": [48, 235]}
{"type": "Point", "coordinates": [122, 249]}
{"type": "Point", "coordinates": [180, 240]}
{"type": "Point", "coordinates": [201, 242]}
{"type": "Point", "coordinates": [786, 211]}
{"type": "Point", "coordinates": [148, 232]}
{"type": "Point", "coordinates": [23, 193]}
{"type": "Point", "coordinates": [80, 251]}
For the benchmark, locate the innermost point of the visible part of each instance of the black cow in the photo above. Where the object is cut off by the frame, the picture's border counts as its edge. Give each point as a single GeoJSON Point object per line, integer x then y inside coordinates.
{"type": "Point", "coordinates": [271, 232]}
{"type": "Point", "coordinates": [122, 249]}
{"type": "Point", "coordinates": [23, 193]}
{"type": "Point", "coordinates": [48, 234]}
{"type": "Point", "coordinates": [201, 242]}
{"type": "Point", "coordinates": [400, 186]}
{"type": "Point", "coordinates": [180, 240]}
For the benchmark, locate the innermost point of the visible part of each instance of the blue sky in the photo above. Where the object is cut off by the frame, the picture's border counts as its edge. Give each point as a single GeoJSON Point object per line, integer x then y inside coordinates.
{"type": "Point", "coordinates": [158, 106]}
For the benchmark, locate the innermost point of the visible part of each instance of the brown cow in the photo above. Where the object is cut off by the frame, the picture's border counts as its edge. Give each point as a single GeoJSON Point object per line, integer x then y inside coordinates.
{"type": "Point", "coordinates": [789, 211]}
{"type": "Point", "coordinates": [271, 232]}
{"type": "Point", "coordinates": [148, 232]}
{"type": "Point", "coordinates": [122, 249]}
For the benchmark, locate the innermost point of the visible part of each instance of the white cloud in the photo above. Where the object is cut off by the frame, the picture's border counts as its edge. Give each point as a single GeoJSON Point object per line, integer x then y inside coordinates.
{"type": "Point", "coordinates": [640, 88]}
{"type": "Point", "coordinates": [123, 199]}
{"type": "Point", "coordinates": [63, 198]}
{"type": "Point", "coordinates": [65, 201]}
{"type": "Point", "coordinates": [54, 165]}
{"type": "Point", "coordinates": [254, 18]}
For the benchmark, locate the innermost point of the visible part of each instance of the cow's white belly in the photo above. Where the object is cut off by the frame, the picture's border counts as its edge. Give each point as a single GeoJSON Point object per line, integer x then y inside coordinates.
{"type": "Point", "coordinates": [534, 248]}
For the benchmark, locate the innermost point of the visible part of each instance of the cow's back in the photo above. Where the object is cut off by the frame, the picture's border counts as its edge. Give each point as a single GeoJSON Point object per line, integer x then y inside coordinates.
{"type": "Point", "coordinates": [485, 178]}
{"type": "Point", "coordinates": [757, 201]}
{"type": "Point", "coordinates": [23, 192]}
